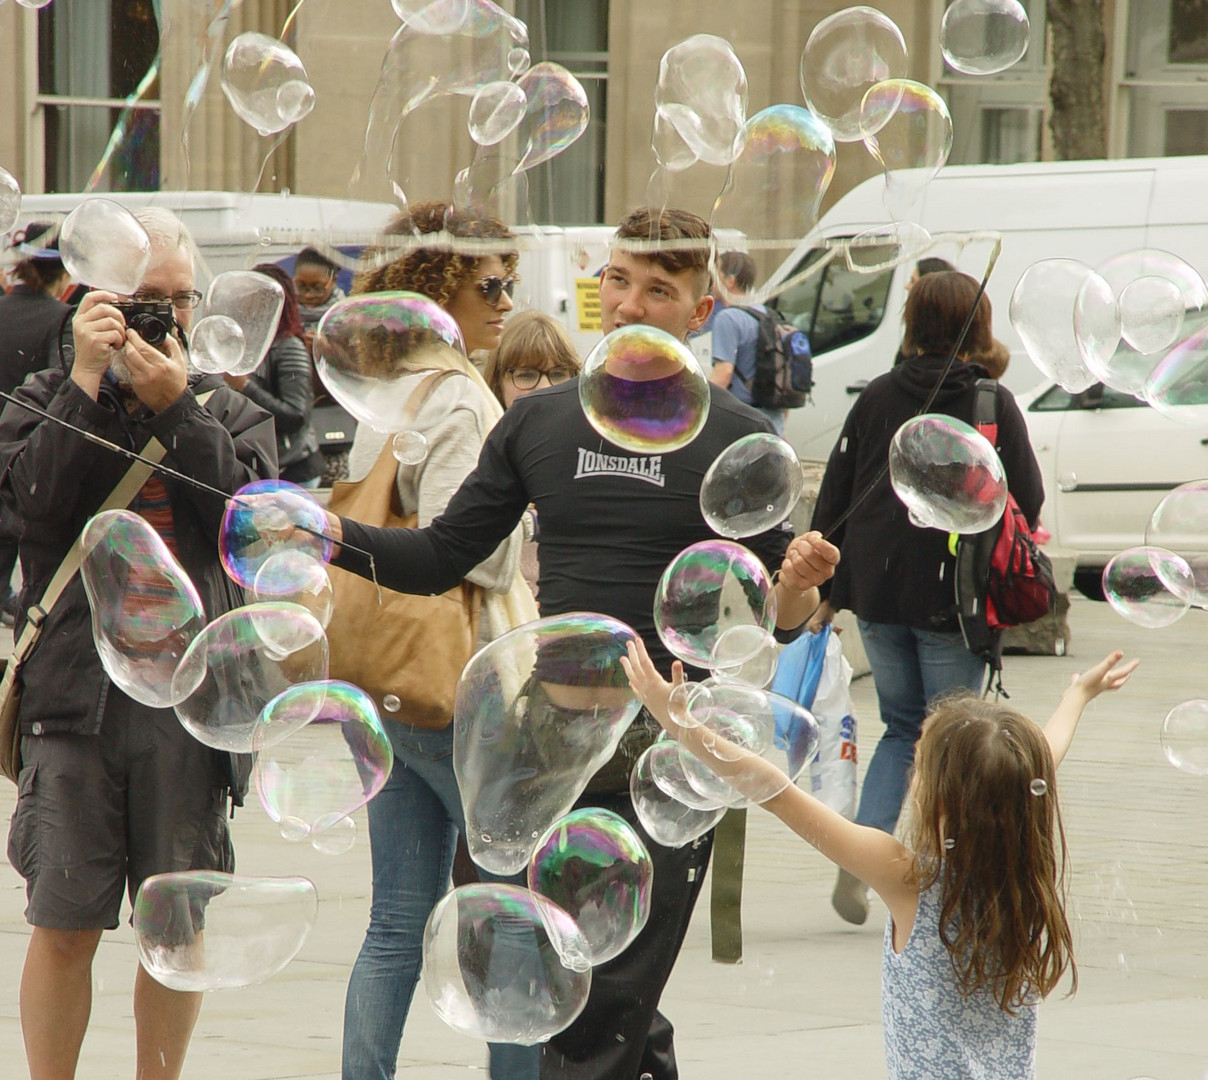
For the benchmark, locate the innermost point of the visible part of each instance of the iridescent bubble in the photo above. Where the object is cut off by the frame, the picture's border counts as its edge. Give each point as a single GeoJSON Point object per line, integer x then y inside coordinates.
{"type": "Point", "coordinates": [266, 518]}
{"type": "Point", "coordinates": [777, 183]}
{"type": "Point", "coordinates": [103, 245]}
{"type": "Point", "coordinates": [1178, 386]}
{"type": "Point", "coordinates": [216, 345]}
{"type": "Point", "coordinates": [1042, 313]}
{"type": "Point", "coordinates": [10, 200]}
{"type": "Point", "coordinates": [391, 703]}
{"type": "Point", "coordinates": [538, 712]}
{"type": "Point", "coordinates": [667, 820]}
{"type": "Point", "coordinates": [704, 76]}
{"type": "Point", "coordinates": [947, 474]}
{"type": "Point", "coordinates": [1151, 313]}
{"type": "Point", "coordinates": [751, 486]}
{"type": "Point", "coordinates": [432, 16]}
{"type": "Point", "coordinates": [846, 55]}
{"type": "Point", "coordinates": [518, 61]}
{"type": "Point", "coordinates": [374, 351]}
{"type": "Point", "coordinates": [594, 866]}
{"type": "Point", "coordinates": [555, 115]}
{"type": "Point", "coordinates": [1039, 786]}
{"type": "Point", "coordinates": [497, 964]}
{"type": "Point", "coordinates": [745, 654]}
{"type": "Point", "coordinates": [984, 37]}
{"type": "Point", "coordinates": [706, 589]}
{"type": "Point", "coordinates": [1179, 523]}
{"type": "Point", "coordinates": [238, 664]}
{"type": "Point", "coordinates": [643, 390]}
{"type": "Point", "coordinates": [907, 128]}
{"type": "Point", "coordinates": [205, 930]}
{"type": "Point", "coordinates": [336, 838]}
{"type": "Point", "coordinates": [325, 768]}
{"type": "Point", "coordinates": [1149, 586]}
{"type": "Point", "coordinates": [252, 300]}
{"type": "Point", "coordinates": [409, 447]}
{"type": "Point", "coordinates": [145, 610]}
{"type": "Point", "coordinates": [1185, 736]}
{"type": "Point", "coordinates": [885, 246]}
{"type": "Point", "coordinates": [296, 577]}
{"type": "Point", "coordinates": [496, 111]}
{"type": "Point", "coordinates": [260, 77]}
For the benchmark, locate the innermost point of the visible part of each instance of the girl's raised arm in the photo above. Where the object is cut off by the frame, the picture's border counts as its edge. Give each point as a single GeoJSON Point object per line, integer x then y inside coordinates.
{"type": "Point", "coordinates": [1083, 689]}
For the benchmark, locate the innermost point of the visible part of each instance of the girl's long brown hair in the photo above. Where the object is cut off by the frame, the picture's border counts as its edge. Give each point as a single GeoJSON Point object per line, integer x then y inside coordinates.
{"type": "Point", "coordinates": [985, 781]}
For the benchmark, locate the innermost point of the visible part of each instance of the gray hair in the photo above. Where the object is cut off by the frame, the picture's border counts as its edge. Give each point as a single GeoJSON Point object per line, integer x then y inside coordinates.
{"type": "Point", "coordinates": [167, 232]}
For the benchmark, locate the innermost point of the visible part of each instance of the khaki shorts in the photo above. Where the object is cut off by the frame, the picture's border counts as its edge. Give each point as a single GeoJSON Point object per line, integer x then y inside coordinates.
{"type": "Point", "coordinates": [97, 814]}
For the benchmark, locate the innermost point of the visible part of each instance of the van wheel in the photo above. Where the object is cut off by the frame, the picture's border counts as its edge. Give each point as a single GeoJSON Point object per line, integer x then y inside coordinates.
{"type": "Point", "coordinates": [1088, 580]}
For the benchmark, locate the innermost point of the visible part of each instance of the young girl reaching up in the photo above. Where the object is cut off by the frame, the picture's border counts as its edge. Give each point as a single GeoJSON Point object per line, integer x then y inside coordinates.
{"type": "Point", "coordinates": [977, 933]}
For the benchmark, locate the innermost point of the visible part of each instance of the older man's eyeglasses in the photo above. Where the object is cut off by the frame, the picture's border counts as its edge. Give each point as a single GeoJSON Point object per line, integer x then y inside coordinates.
{"type": "Point", "coordinates": [181, 301]}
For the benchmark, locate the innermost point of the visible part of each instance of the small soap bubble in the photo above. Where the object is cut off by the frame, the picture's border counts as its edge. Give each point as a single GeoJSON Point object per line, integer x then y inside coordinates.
{"type": "Point", "coordinates": [496, 111]}
{"type": "Point", "coordinates": [745, 654]}
{"type": "Point", "coordinates": [1038, 786]}
{"type": "Point", "coordinates": [668, 773]}
{"type": "Point", "coordinates": [518, 61]}
{"type": "Point", "coordinates": [1179, 523]}
{"type": "Point", "coordinates": [751, 486]}
{"type": "Point", "coordinates": [266, 518]}
{"type": "Point", "coordinates": [265, 82]}
{"type": "Point", "coordinates": [34, 5]}
{"type": "Point", "coordinates": [1151, 313]}
{"type": "Point", "coordinates": [594, 866]}
{"type": "Point", "coordinates": [391, 703]}
{"type": "Point", "coordinates": [295, 100]}
{"type": "Point", "coordinates": [846, 54]}
{"type": "Point", "coordinates": [409, 447]}
{"type": "Point", "coordinates": [907, 128]}
{"type": "Point", "coordinates": [947, 474]}
{"type": "Point", "coordinates": [1185, 736]}
{"type": "Point", "coordinates": [949, 844]}
{"type": "Point", "coordinates": [555, 114]}
{"type": "Point", "coordinates": [254, 302]}
{"type": "Point", "coordinates": [504, 965]}
{"type": "Point", "coordinates": [10, 200]}
{"type": "Point", "coordinates": [643, 390]}
{"type": "Point", "coordinates": [103, 245]}
{"type": "Point", "coordinates": [684, 697]}
{"type": "Point", "coordinates": [1042, 313]}
{"type": "Point", "coordinates": [216, 345]}
{"type": "Point", "coordinates": [334, 838]}
{"type": "Point", "coordinates": [666, 819]}
{"type": "Point", "coordinates": [1149, 586]}
{"type": "Point", "coordinates": [433, 16]}
{"type": "Point", "coordinates": [296, 577]}
{"type": "Point", "coordinates": [984, 37]}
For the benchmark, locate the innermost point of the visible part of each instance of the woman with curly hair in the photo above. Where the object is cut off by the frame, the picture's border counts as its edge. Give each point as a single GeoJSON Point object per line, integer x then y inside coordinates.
{"type": "Point", "coordinates": [415, 819]}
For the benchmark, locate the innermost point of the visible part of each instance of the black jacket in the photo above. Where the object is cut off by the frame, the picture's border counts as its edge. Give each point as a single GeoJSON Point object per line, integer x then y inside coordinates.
{"type": "Point", "coordinates": [55, 480]}
{"type": "Point", "coordinates": [891, 570]}
{"type": "Point", "coordinates": [29, 334]}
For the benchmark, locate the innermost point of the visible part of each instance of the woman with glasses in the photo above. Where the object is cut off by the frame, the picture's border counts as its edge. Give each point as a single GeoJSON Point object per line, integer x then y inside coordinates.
{"type": "Point", "coordinates": [315, 279]}
{"type": "Point", "coordinates": [415, 819]}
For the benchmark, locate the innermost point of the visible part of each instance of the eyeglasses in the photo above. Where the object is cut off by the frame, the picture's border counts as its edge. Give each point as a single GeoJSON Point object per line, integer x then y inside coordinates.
{"type": "Point", "coordinates": [492, 288]}
{"type": "Point", "coordinates": [182, 301]}
{"type": "Point", "coordinates": [527, 378]}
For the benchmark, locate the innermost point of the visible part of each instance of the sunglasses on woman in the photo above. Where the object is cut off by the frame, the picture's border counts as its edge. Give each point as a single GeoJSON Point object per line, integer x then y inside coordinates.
{"type": "Point", "coordinates": [527, 378]}
{"type": "Point", "coordinates": [492, 288]}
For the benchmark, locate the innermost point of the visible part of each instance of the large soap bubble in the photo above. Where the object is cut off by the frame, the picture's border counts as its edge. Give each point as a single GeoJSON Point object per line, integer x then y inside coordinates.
{"type": "Point", "coordinates": [10, 200]}
{"type": "Point", "coordinates": [1185, 736]}
{"type": "Point", "coordinates": [432, 16]}
{"type": "Point", "coordinates": [1042, 313]}
{"type": "Point", "coordinates": [538, 712]}
{"type": "Point", "coordinates": [702, 92]}
{"type": "Point", "coordinates": [205, 930]}
{"type": "Point", "coordinates": [497, 964]}
{"type": "Point", "coordinates": [103, 245]}
{"type": "Point", "coordinates": [752, 485]}
{"type": "Point", "coordinates": [1149, 586]}
{"type": "Point", "coordinates": [217, 344]}
{"type": "Point", "coordinates": [1178, 386]}
{"type": "Point", "coordinates": [253, 301]}
{"type": "Point", "coordinates": [496, 111]}
{"type": "Point", "coordinates": [329, 755]}
{"type": "Point", "coordinates": [643, 390]}
{"type": "Point", "coordinates": [296, 577]}
{"type": "Point", "coordinates": [845, 56]}
{"type": "Point", "coordinates": [265, 83]}
{"type": "Point", "coordinates": [907, 128]}
{"type": "Point", "coordinates": [556, 112]}
{"type": "Point", "coordinates": [947, 474]}
{"type": "Point", "coordinates": [595, 868]}
{"type": "Point", "coordinates": [266, 518]}
{"type": "Point", "coordinates": [984, 37]}
{"type": "Point", "coordinates": [667, 819]}
{"type": "Point", "coordinates": [145, 610]}
{"type": "Point", "coordinates": [239, 663]}
{"type": "Point", "coordinates": [374, 351]}
{"type": "Point", "coordinates": [706, 589]}
{"type": "Point", "coordinates": [1179, 523]}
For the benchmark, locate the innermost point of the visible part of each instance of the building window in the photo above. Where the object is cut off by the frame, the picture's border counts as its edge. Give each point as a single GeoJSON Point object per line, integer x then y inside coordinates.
{"type": "Point", "coordinates": [91, 57]}
{"type": "Point", "coordinates": [1166, 78]}
{"type": "Point", "coordinates": [569, 189]}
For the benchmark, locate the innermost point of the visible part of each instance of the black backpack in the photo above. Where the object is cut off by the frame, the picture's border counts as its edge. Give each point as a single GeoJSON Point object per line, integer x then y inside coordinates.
{"type": "Point", "coordinates": [784, 367]}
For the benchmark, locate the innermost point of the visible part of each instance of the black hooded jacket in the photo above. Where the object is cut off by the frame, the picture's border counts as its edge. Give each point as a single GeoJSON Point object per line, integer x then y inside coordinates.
{"type": "Point", "coordinates": [893, 571]}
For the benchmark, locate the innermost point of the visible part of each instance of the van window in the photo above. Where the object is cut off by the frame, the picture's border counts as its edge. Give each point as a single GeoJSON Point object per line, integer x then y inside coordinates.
{"type": "Point", "coordinates": [837, 306]}
{"type": "Point", "coordinates": [1058, 399]}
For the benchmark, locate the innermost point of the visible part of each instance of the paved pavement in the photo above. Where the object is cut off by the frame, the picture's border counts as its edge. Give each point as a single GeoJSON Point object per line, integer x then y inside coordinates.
{"type": "Point", "coordinates": [805, 1000]}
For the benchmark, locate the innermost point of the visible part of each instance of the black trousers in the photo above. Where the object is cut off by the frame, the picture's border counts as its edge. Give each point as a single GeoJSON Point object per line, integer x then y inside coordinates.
{"type": "Point", "coordinates": [621, 1035]}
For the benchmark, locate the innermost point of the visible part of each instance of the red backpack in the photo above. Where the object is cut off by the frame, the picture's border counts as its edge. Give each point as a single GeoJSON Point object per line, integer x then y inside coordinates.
{"type": "Point", "coordinates": [1003, 579]}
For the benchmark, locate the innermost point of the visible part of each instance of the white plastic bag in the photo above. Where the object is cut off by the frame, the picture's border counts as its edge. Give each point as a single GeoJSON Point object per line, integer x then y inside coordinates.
{"type": "Point", "coordinates": [833, 771]}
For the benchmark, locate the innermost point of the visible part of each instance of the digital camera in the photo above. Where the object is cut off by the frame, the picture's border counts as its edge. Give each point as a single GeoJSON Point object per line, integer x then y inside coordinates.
{"type": "Point", "coordinates": [152, 320]}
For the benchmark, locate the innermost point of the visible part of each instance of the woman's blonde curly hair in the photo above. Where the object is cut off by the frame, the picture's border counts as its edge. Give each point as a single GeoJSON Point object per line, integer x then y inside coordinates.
{"type": "Point", "coordinates": [434, 273]}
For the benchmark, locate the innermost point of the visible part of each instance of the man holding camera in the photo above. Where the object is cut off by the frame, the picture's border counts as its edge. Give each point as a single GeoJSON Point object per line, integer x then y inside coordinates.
{"type": "Point", "coordinates": [111, 790]}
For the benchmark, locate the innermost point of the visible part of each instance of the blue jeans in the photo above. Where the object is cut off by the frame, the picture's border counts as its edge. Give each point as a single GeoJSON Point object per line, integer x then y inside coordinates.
{"type": "Point", "coordinates": [910, 667]}
{"type": "Point", "coordinates": [413, 825]}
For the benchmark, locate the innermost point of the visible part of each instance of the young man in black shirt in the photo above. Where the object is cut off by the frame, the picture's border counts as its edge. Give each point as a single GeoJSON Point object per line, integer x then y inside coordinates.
{"type": "Point", "coordinates": [609, 523]}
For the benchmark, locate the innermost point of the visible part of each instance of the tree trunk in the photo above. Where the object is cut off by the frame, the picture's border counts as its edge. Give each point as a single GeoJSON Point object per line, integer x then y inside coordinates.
{"type": "Point", "coordinates": [1076, 88]}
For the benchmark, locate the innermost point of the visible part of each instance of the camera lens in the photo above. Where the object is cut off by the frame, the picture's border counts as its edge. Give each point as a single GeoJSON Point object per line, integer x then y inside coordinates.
{"type": "Point", "coordinates": [151, 328]}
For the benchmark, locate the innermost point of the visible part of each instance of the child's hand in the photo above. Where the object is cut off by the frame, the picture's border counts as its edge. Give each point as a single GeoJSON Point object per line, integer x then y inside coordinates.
{"type": "Point", "coordinates": [1103, 676]}
{"type": "Point", "coordinates": [651, 688]}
